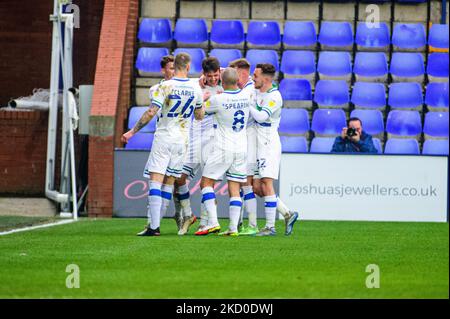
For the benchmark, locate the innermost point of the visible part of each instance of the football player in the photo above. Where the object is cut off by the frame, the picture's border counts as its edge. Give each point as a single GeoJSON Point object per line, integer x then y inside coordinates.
{"type": "Point", "coordinates": [246, 83]}
{"type": "Point", "coordinates": [229, 152]}
{"type": "Point", "coordinates": [167, 70]}
{"type": "Point", "coordinates": [175, 100]}
{"type": "Point", "coordinates": [267, 114]}
{"type": "Point", "coordinates": [201, 140]}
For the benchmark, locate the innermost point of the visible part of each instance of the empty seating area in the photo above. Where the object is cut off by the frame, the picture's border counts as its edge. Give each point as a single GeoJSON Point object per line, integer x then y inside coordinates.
{"type": "Point", "coordinates": [393, 75]}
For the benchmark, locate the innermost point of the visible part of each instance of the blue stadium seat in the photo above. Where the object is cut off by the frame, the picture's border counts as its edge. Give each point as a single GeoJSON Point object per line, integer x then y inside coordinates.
{"type": "Point", "coordinates": [227, 33]}
{"type": "Point", "coordinates": [435, 147]}
{"type": "Point", "coordinates": [155, 31]}
{"type": "Point", "coordinates": [372, 38]}
{"type": "Point", "coordinates": [377, 144]}
{"type": "Point", "coordinates": [409, 36]}
{"type": "Point", "coordinates": [135, 114]}
{"type": "Point", "coordinates": [404, 124]}
{"type": "Point", "coordinates": [438, 36]}
{"type": "Point", "coordinates": [299, 35]}
{"type": "Point", "coordinates": [197, 56]}
{"type": "Point", "coordinates": [322, 144]}
{"type": "Point", "coordinates": [437, 68]}
{"type": "Point", "coordinates": [407, 67]}
{"type": "Point", "coordinates": [436, 125]}
{"type": "Point", "coordinates": [263, 34]}
{"type": "Point", "coordinates": [436, 96]}
{"type": "Point", "coordinates": [372, 121]}
{"type": "Point", "coordinates": [331, 93]}
{"type": "Point", "coordinates": [140, 141]}
{"type": "Point", "coordinates": [294, 144]}
{"type": "Point", "coordinates": [327, 122]}
{"type": "Point", "coordinates": [299, 64]}
{"type": "Point", "coordinates": [335, 66]}
{"type": "Point", "coordinates": [296, 93]}
{"type": "Point", "coordinates": [191, 32]}
{"type": "Point", "coordinates": [148, 61]}
{"type": "Point", "coordinates": [371, 66]}
{"type": "Point", "coordinates": [294, 121]}
{"type": "Point", "coordinates": [336, 35]}
{"type": "Point", "coordinates": [369, 95]}
{"type": "Point", "coordinates": [401, 146]}
{"type": "Point", "coordinates": [225, 56]}
{"type": "Point", "coordinates": [262, 56]}
{"type": "Point", "coordinates": [405, 95]}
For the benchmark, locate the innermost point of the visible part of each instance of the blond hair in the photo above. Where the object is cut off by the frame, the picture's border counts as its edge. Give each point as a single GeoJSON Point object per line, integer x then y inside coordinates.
{"type": "Point", "coordinates": [182, 60]}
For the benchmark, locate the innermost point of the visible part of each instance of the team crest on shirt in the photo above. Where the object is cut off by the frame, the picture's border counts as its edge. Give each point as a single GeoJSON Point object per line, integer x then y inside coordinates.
{"type": "Point", "coordinates": [207, 104]}
{"type": "Point", "coordinates": [272, 103]}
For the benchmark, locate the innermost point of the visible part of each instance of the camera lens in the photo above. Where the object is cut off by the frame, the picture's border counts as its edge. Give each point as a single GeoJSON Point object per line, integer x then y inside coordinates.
{"type": "Point", "coordinates": [351, 132]}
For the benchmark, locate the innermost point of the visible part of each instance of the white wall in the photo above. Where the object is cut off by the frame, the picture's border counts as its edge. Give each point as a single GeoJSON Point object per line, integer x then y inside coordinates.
{"type": "Point", "coordinates": [365, 187]}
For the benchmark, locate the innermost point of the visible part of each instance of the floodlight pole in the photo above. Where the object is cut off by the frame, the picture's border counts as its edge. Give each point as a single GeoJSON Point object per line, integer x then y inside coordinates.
{"type": "Point", "coordinates": [61, 58]}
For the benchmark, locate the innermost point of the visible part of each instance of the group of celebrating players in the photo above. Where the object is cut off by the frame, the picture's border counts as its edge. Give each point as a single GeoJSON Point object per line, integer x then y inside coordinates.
{"type": "Point", "coordinates": [223, 124]}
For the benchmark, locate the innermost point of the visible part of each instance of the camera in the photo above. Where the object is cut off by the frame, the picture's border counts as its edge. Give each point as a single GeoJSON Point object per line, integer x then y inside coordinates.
{"type": "Point", "coordinates": [351, 132]}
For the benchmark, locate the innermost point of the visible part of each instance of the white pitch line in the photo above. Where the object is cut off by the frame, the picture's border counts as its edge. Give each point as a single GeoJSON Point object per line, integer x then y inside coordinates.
{"type": "Point", "coordinates": [18, 230]}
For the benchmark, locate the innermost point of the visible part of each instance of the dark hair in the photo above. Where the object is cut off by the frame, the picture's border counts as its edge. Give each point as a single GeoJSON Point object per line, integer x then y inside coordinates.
{"type": "Point", "coordinates": [210, 64]}
{"type": "Point", "coordinates": [353, 119]}
{"type": "Point", "coordinates": [240, 64]}
{"type": "Point", "coordinates": [166, 59]}
{"type": "Point", "coordinates": [266, 68]}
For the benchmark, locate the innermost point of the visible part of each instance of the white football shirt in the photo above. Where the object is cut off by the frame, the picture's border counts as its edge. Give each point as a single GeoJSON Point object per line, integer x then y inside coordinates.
{"type": "Point", "coordinates": [177, 98]}
{"type": "Point", "coordinates": [231, 112]}
{"type": "Point", "coordinates": [205, 127]}
{"type": "Point", "coordinates": [270, 102]}
{"type": "Point", "coordinates": [250, 88]}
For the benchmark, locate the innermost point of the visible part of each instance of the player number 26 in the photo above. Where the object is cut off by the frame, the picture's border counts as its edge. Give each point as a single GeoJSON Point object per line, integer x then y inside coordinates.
{"type": "Point", "coordinates": [188, 105]}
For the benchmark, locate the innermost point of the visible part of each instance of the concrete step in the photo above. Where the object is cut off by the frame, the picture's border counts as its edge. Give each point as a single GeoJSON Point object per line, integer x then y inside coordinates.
{"type": "Point", "coordinates": [18, 206]}
{"type": "Point", "coordinates": [158, 8]}
{"type": "Point", "coordinates": [339, 11]}
{"type": "Point", "coordinates": [295, 10]}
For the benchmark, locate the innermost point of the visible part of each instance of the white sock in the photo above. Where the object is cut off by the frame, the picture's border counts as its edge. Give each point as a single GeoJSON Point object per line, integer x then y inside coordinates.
{"type": "Point", "coordinates": [149, 211]}
{"type": "Point", "coordinates": [271, 210]}
{"type": "Point", "coordinates": [183, 196]}
{"type": "Point", "coordinates": [154, 204]}
{"type": "Point", "coordinates": [235, 212]}
{"type": "Point", "coordinates": [282, 208]}
{"type": "Point", "coordinates": [203, 215]}
{"type": "Point", "coordinates": [250, 205]}
{"type": "Point", "coordinates": [209, 200]}
{"type": "Point", "coordinates": [166, 195]}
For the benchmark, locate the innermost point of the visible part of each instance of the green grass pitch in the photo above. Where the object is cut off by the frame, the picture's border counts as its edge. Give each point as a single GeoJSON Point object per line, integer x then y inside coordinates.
{"type": "Point", "coordinates": [320, 260]}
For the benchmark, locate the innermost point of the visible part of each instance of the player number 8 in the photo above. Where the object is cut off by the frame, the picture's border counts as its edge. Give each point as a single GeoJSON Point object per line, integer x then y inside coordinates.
{"type": "Point", "coordinates": [239, 118]}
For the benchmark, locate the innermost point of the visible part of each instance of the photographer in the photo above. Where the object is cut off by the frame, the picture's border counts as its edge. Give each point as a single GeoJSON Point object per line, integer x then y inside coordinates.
{"type": "Point", "coordinates": [353, 139]}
